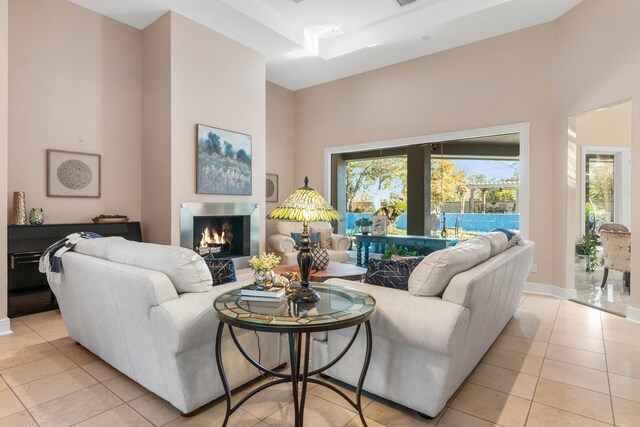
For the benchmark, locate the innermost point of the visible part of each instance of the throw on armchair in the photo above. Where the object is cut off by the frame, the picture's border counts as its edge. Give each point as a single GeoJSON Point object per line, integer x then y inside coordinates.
{"type": "Point", "coordinates": [285, 247]}
{"type": "Point", "coordinates": [616, 253]}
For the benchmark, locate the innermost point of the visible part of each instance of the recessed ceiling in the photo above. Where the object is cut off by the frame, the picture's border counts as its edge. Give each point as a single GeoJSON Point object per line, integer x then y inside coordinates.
{"type": "Point", "coordinates": [308, 42]}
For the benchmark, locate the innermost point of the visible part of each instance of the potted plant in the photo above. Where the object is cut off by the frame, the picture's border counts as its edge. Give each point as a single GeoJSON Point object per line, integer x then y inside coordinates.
{"type": "Point", "coordinates": [365, 225]}
{"type": "Point", "coordinates": [262, 267]}
{"type": "Point", "coordinates": [590, 250]}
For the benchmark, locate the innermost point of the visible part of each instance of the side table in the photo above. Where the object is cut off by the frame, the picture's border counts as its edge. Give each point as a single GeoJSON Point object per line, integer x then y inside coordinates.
{"type": "Point", "coordinates": [338, 308]}
{"type": "Point", "coordinates": [335, 270]}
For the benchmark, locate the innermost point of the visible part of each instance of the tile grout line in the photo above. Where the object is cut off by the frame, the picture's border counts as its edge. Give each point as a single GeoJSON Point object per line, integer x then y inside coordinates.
{"type": "Point", "coordinates": [606, 364]}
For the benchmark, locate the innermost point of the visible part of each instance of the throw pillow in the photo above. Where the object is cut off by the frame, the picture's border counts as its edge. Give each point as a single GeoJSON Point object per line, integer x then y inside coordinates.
{"type": "Point", "coordinates": [325, 236]}
{"type": "Point", "coordinates": [222, 270]}
{"type": "Point", "coordinates": [498, 241]}
{"type": "Point", "coordinates": [391, 273]}
{"type": "Point", "coordinates": [313, 238]}
{"type": "Point", "coordinates": [320, 259]}
{"type": "Point", "coordinates": [506, 232]}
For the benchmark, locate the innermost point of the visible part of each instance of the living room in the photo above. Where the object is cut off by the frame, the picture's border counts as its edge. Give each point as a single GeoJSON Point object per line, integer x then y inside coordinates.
{"type": "Point", "coordinates": [76, 80]}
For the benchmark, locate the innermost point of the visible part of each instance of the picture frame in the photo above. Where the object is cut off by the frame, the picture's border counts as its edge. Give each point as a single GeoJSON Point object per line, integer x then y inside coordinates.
{"type": "Point", "coordinates": [73, 174]}
{"type": "Point", "coordinates": [272, 188]}
{"type": "Point", "coordinates": [379, 226]}
{"type": "Point", "coordinates": [223, 161]}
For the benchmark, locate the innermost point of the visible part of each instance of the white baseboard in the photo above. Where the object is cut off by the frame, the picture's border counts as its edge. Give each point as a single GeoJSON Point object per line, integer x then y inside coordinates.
{"type": "Point", "coordinates": [554, 291]}
{"type": "Point", "coordinates": [5, 326]}
{"type": "Point", "coordinates": [633, 314]}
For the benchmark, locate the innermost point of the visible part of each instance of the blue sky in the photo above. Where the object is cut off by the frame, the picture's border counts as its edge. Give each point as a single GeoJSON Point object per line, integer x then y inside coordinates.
{"type": "Point", "coordinates": [492, 169]}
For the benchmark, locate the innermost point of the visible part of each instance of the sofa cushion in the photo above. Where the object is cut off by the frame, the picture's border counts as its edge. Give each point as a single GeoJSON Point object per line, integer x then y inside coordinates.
{"type": "Point", "coordinates": [96, 248]}
{"type": "Point", "coordinates": [498, 241]}
{"type": "Point", "coordinates": [324, 236]}
{"type": "Point", "coordinates": [433, 274]}
{"type": "Point", "coordinates": [391, 273]}
{"type": "Point", "coordinates": [186, 269]}
{"type": "Point", "coordinates": [222, 270]}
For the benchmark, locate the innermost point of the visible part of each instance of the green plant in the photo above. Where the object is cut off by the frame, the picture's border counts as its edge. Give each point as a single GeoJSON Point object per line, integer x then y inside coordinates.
{"type": "Point", "coordinates": [398, 251]}
{"type": "Point", "coordinates": [591, 251]}
{"type": "Point", "coordinates": [364, 222]}
{"type": "Point", "coordinates": [265, 262]}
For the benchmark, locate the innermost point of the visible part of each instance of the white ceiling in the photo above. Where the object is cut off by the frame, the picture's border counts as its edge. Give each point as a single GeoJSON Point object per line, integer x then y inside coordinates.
{"type": "Point", "coordinates": [316, 41]}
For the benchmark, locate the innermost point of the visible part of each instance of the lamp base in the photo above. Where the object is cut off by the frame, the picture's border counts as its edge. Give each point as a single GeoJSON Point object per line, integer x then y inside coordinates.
{"type": "Point", "coordinates": [304, 295]}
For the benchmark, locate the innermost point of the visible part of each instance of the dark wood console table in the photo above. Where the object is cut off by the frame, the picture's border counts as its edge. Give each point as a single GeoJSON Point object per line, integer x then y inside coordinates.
{"type": "Point", "coordinates": [28, 290]}
{"type": "Point", "coordinates": [433, 243]}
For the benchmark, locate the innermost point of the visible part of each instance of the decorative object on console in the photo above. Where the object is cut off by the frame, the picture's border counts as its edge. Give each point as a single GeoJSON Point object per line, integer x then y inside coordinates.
{"type": "Point", "coordinates": [222, 270]}
{"type": "Point", "coordinates": [36, 216]}
{"type": "Point", "coordinates": [262, 267]}
{"type": "Point", "coordinates": [305, 205]}
{"type": "Point", "coordinates": [379, 225]}
{"type": "Point", "coordinates": [19, 208]}
{"type": "Point", "coordinates": [224, 162]}
{"type": "Point", "coordinates": [320, 258]}
{"type": "Point", "coordinates": [73, 174]}
{"type": "Point", "coordinates": [391, 273]}
{"type": "Point", "coordinates": [272, 188]}
{"type": "Point", "coordinates": [365, 225]}
{"type": "Point", "coordinates": [110, 218]}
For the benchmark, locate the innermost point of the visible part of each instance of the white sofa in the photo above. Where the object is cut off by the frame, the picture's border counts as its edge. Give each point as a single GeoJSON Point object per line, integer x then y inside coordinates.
{"type": "Point", "coordinates": [283, 245]}
{"type": "Point", "coordinates": [133, 317]}
{"type": "Point", "coordinates": [424, 347]}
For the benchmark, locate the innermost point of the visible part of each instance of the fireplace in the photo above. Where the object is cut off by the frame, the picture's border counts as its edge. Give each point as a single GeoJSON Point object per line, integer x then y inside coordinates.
{"type": "Point", "coordinates": [221, 230]}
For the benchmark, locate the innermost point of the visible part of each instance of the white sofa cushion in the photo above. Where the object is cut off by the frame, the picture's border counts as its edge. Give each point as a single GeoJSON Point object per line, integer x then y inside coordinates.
{"type": "Point", "coordinates": [433, 274]}
{"type": "Point", "coordinates": [187, 270]}
{"type": "Point", "coordinates": [498, 241]}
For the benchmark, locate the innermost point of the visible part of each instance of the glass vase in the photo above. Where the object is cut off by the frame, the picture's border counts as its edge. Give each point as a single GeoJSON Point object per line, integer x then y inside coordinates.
{"type": "Point", "coordinates": [263, 278]}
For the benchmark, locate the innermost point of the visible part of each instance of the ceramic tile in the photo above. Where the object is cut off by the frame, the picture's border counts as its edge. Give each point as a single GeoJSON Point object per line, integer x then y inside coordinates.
{"type": "Point", "coordinates": [36, 370]}
{"type": "Point", "coordinates": [54, 386]}
{"type": "Point", "coordinates": [625, 387]}
{"type": "Point", "coordinates": [121, 415]}
{"type": "Point", "coordinates": [626, 367]}
{"type": "Point", "coordinates": [569, 398]}
{"type": "Point", "coordinates": [318, 412]}
{"type": "Point", "coordinates": [64, 344]}
{"type": "Point", "coordinates": [26, 355]}
{"type": "Point", "coordinates": [575, 356]}
{"type": "Point", "coordinates": [513, 360]}
{"type": "Point", "coordinates": [75, 407]}
{"type": "Point", "coordinates": [453, 418]}
{"type": "Point", "coordinates": [125, 388]}
{"type": "Point", "coordinates": [622, 337]}
{"type": "Point", "coordinates": [546, 416]}
{"type": "Point", "coordinates": [51, 334]}
{"type": "Point", "coordinates": [591, 321]}
{"type": "Point", "coordinates": [355, 422]}
{"type": "Point", "coordinates": [575, 341]}
{"type": "Point", "coordinates": [391, 414]}
{"type": "Point", "coordinates": [22, 336]}
{"type": "Point", "coordinates": [101, 370]}
{"type": "Point", "coordinates": [589, 331]}
{"type": "Point", "coordinates": [521, 345]}
{"type": "Point", "coordinates": [617, 323]}
{"type": "Point", "coordinates": [335, 398]}
{"type": "Point", "coordinates": [3, 385]}
{"type": "Point", "coordinates": [19, 419]}
{"type": "Point", "coordinates": [575, 375]}
{"type": "Point", "coordinates": [9, 404]}
{"type": "Point", "coordinates": [504, 380]}
{"type": "Point", "coordinates": [267, 401]}
{"type": "Point", "coordinates": [529, 332]}
{"type": "Point", "coordinates": [155, 409]}
{"type": "Point", "coordinates": [213, 415]}
{"type": "Point", "coordinates": [81, 356]}
{"type": "Point", "coordinates": [626, 412]}
{"type": "Point", "coordinates": [532, 319]}
{"type": "Point", "coordinates": [624, 351]}
{"type": "Point", "coordinates": [492, 405]}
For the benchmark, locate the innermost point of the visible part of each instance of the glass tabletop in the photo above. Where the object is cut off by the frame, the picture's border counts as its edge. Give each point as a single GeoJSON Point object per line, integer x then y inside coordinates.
{"type": "Point", "coordinates": [339, 307]}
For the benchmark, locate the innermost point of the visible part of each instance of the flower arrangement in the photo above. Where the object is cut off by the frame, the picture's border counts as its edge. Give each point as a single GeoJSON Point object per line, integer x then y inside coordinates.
{"type": "Point", "coordinates": [265, 262]}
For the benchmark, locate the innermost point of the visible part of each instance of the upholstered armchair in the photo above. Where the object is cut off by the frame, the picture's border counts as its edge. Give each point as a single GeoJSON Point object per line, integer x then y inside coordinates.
{"type": "Point", "coordinates": [616, 253]}
{"type": "Point", "coordinates": [283, 245]}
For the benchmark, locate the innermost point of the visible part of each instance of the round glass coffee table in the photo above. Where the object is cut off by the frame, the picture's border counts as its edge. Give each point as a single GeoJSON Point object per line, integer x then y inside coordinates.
{"type": "Point", "coordinates": [339, 307]}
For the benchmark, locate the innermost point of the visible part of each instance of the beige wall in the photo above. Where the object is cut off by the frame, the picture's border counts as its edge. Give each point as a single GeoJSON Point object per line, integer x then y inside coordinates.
{"type": "Point", "coordinates": [217, 82]}
{"type": "Point", "coordinates": [280, 121]}
{"type": "Point", "coordinates": [4, 36]}
{"type": "Point", "coordinates": [156, 131]}
{"type": "Point", "coordinates": [499, 81]}
{"type": "Point", "coordinates": [74, 84]}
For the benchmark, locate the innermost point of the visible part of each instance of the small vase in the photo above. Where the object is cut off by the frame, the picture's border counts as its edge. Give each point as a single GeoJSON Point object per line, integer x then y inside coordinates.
{"type": "Point", "coordinates": [263, 278]}
{"type": "Point", "coordinates": [365, 229]}
{"type": "Point", "coordinates": [19, 209]}
{"type": "Point", "coordinates": [36, 216]}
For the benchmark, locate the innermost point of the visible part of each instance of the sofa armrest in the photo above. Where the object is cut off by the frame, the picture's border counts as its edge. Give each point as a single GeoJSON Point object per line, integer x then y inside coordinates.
{"type": "Point", "coordinates": [282, 244]}
{"type": "Point", "coordinates": [340, 243]}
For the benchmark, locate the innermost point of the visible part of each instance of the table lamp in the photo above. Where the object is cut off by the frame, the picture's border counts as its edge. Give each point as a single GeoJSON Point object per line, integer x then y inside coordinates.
{"type": "Point", "coordinates": [305, 205]}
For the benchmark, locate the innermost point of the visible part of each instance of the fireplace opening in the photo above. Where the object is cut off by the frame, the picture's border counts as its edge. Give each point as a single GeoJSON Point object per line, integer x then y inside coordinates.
{"type": "Point", "coordinates": [222, 236]}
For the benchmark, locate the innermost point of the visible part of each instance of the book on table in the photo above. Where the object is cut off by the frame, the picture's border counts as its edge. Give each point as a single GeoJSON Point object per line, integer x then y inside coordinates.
{"type": "Point", "coordinates": [253, 290]}
{"type": "Point", "coordinates": [249, 298]}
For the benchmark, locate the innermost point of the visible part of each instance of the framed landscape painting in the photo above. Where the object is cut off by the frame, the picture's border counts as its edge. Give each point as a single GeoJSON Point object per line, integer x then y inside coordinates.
{"type": "Point", "coordinates": [72, 174]}
{"type": "Point", "coordinates": [223, 162]}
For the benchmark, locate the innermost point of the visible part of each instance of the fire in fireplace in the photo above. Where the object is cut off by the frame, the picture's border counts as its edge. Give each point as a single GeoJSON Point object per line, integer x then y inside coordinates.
{"type": "Point", "coordinates": [212, 242]}
{"type": "Point", "coordinates": [220, 235]}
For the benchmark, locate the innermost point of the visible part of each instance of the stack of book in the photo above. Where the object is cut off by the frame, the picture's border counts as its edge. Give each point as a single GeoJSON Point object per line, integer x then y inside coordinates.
{"type": "Point", "coordinates": [258, 293]}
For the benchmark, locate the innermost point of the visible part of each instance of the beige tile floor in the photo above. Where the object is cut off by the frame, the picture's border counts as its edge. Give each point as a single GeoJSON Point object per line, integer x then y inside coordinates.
{"type": "Point", "coordinates": [556, 363]}
{"type": "Point", "coordinates": [614, 297]}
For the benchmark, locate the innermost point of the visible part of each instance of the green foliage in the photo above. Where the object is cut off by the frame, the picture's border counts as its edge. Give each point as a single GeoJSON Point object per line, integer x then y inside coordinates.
{"type": "Point", "coordinates": [446, 185]}
{"type": "Point", "coordinates": [591, 251]}
{"type": "Point", "coordinates": [392, 209]}
{"type": "Point", "coordinates": [363, 174]}
{"type": "Point", "coordinates": [364, 222]}
{"type": "Point", "coordinates": [398, 251]}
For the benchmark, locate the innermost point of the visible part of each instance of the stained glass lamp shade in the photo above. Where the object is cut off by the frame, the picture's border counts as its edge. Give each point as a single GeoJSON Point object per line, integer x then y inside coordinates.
{"type": "Point", "coordinates": [305, 205]}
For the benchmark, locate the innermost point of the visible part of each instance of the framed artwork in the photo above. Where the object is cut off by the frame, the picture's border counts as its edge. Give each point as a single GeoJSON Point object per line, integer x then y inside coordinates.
{"type": "Point", "coordinates": [272, 187]}
{"type": "Point", "coordinates": [223, 162]}
{"type": "Point", "coordinates": [379, 227]}
{"type": "Point", "coordinates": [72, 174]}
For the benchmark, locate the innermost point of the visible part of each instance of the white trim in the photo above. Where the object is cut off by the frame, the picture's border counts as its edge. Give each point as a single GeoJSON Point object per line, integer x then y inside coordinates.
{"type": "Point", "coordinates": [633, 314]}
{"type": "Point", "coordinates": [520, 128]}
{"type": "Point", "coordinates": [554, 291]}
{"type": "Point", "coordinates": [5, 326]}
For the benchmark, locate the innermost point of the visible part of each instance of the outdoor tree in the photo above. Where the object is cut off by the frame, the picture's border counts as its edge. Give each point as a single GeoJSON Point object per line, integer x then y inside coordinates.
{"type": "Point", "coordinates": [378, 174]}
{"type": "Point", "coordinates": [392, 209]}
{"type": "Point", "coordinates": [601, 188]}
{"type": "Point", "coordinates": [446, 184]}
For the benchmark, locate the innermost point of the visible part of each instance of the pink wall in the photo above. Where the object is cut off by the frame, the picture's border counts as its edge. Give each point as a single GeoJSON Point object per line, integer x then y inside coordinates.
{"type": "Point", "coordinates": [217, 82]}
{"type": "Point", "coordinates": [4, 40]}
{"type": "Point", "coordinates": [280, 122]}
{"type": "Point", "coordinates": [498, 81]}
{"type": "Point", "coordinates": [156, 131]}
{"type": "Point", "coordinates": [74, 84]}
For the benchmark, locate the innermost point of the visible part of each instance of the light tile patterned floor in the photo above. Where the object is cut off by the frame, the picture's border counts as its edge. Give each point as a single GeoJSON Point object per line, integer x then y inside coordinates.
{"type": "Point", "coordinates": [557, 363]}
